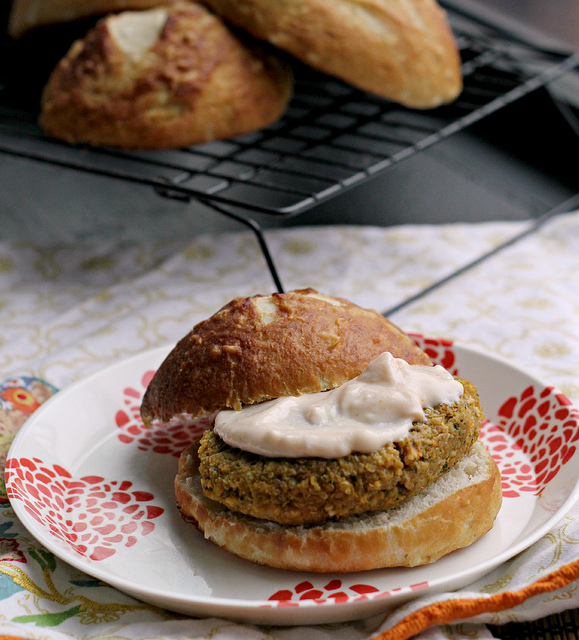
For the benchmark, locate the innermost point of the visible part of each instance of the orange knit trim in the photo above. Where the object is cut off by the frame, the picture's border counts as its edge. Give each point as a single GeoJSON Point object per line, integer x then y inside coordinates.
{"type": "Point", "coordinates": [451, 610]}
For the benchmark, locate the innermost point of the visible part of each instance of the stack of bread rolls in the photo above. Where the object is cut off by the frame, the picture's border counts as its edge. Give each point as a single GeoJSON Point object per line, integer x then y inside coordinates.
{"type": "Point", "coordinates": [154, 74]}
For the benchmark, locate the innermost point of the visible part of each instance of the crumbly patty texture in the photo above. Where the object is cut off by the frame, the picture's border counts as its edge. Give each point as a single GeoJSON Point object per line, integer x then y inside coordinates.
{"type": "Point", "coordinates": [459, 508]}
{"type": "Point", "coordinates": [301, 491]}
{"type": "Point", "coordinates": [263, 347]}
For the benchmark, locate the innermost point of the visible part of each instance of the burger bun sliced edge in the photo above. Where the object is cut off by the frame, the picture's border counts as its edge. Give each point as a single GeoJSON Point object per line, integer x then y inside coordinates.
{"type": "Point", "coordinates": [451, 513]}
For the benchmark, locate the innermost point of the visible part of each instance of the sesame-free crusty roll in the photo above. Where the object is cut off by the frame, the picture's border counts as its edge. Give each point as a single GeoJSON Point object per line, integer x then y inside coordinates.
{"type": "Point", "coordinates": [167, 77]}
{"type": "Point", "coordinates": [403, 50]}
{"type": "Point", "coordinates": [263, 347]}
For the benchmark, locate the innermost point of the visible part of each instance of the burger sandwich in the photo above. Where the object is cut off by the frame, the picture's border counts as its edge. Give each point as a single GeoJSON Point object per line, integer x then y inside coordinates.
{"type": "Point", "coordinates": [332, 442]}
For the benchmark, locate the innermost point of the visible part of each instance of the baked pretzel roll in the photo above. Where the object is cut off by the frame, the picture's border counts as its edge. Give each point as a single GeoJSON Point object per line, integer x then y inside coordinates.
{"type": "Point", "coordinates": [403, 50]}
{"type": "Point", "coordinates": [264, 347]}
{"type": "Point", "coordinates": [168, 77]}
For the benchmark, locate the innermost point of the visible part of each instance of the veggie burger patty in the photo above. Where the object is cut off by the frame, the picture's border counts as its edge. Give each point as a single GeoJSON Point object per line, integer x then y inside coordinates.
{"type": "Point", "coordinates": [301, 491]}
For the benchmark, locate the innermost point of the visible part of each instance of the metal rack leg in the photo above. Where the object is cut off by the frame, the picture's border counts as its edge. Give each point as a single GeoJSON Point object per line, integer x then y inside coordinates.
{"type": "Point", "coordinates": [258, 231]}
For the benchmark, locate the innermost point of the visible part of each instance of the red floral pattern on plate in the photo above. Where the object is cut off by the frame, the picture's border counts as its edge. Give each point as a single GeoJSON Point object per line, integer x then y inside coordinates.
{"type": "Point", "coordinates": [169, 438]}
{"type": "Point", "coordinates": [534, 435]}
{"type": "Point", "coordinates": [94, 516]}
{"type": "Point", "coordinates": [544, 425]}
{"type": "Point", "coordinates": [332, 592]}
{"type": "Point", "coordinates": [439, 351]}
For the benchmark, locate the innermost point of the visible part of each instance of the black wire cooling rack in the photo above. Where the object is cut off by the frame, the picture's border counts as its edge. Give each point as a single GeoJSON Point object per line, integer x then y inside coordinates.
{"type": "Point", "coordinates": [332, 138]}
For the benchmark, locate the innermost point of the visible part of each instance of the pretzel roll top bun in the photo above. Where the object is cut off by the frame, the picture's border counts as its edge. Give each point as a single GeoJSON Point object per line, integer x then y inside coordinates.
{"type": "Point", "coordinates": [264, 347]}
{"type": "Point", "coordinates": [167, 77]}
{"type": "Point", "coordinates": [403, 50]}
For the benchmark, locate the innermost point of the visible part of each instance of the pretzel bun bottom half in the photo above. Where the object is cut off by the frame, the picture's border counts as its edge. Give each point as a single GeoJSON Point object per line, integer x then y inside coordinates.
{"type": "Point", "coordinates": [452, 513]}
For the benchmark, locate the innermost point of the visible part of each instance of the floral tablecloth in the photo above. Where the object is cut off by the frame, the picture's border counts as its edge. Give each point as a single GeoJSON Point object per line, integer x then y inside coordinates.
{"type": "Point", "coordinates": [70, 310]}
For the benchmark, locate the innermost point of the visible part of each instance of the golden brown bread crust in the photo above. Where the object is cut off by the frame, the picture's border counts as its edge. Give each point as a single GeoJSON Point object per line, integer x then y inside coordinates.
{"type": "Point", "coordinates": [197, 82]}
{"type": "Point", "coordinates": [295, 491]}
{"type": "Point", "coordinates": [30, 14]}
{"type": "Point", "coordinates": [265, 347]}
{"type": "Point", "coordinates": [403, 50]}
{"type": "Point", "coordinates": [460, 507]}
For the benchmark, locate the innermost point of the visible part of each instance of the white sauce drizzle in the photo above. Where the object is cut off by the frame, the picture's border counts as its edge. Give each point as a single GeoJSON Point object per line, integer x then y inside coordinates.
{"type": "Point", "coordinates": [364, 414]}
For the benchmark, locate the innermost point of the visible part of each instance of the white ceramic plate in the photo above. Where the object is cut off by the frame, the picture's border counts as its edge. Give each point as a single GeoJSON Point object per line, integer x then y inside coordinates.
{"type": "Point", "coordinates": [96, 488]}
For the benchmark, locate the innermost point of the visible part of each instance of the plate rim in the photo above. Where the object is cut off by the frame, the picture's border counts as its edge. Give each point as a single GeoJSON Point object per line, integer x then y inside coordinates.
{"type": "Point", "coordinates": [238, 605]}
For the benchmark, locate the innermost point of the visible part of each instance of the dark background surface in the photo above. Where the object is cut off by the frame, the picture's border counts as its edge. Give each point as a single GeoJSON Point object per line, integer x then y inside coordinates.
{"type": "Point", "coordinates": [516, 164]}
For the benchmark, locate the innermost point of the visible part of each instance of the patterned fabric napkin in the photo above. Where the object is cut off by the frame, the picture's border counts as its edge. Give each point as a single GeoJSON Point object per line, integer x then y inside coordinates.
{"type": "Point", "coordinates": [70, 310]}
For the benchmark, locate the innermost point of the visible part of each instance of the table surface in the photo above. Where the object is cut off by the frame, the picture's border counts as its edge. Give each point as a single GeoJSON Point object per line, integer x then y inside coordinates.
{"type": "Point", "coordinates": [79, 292]}
{"type": "Point", "coordinates": [68, 310]}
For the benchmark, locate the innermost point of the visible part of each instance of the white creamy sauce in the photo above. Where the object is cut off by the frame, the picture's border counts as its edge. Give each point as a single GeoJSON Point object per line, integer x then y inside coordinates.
{"type": "Point", "coordinates": [364, 414]}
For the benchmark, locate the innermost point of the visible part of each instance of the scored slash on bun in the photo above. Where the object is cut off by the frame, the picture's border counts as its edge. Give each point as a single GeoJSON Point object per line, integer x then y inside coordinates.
{"type": "Point", "coordinates": [264, 347]}
{"type": "Point", "coordinates": [449, 514]}
{"type": "Point", "coordinates": [166, 77]}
